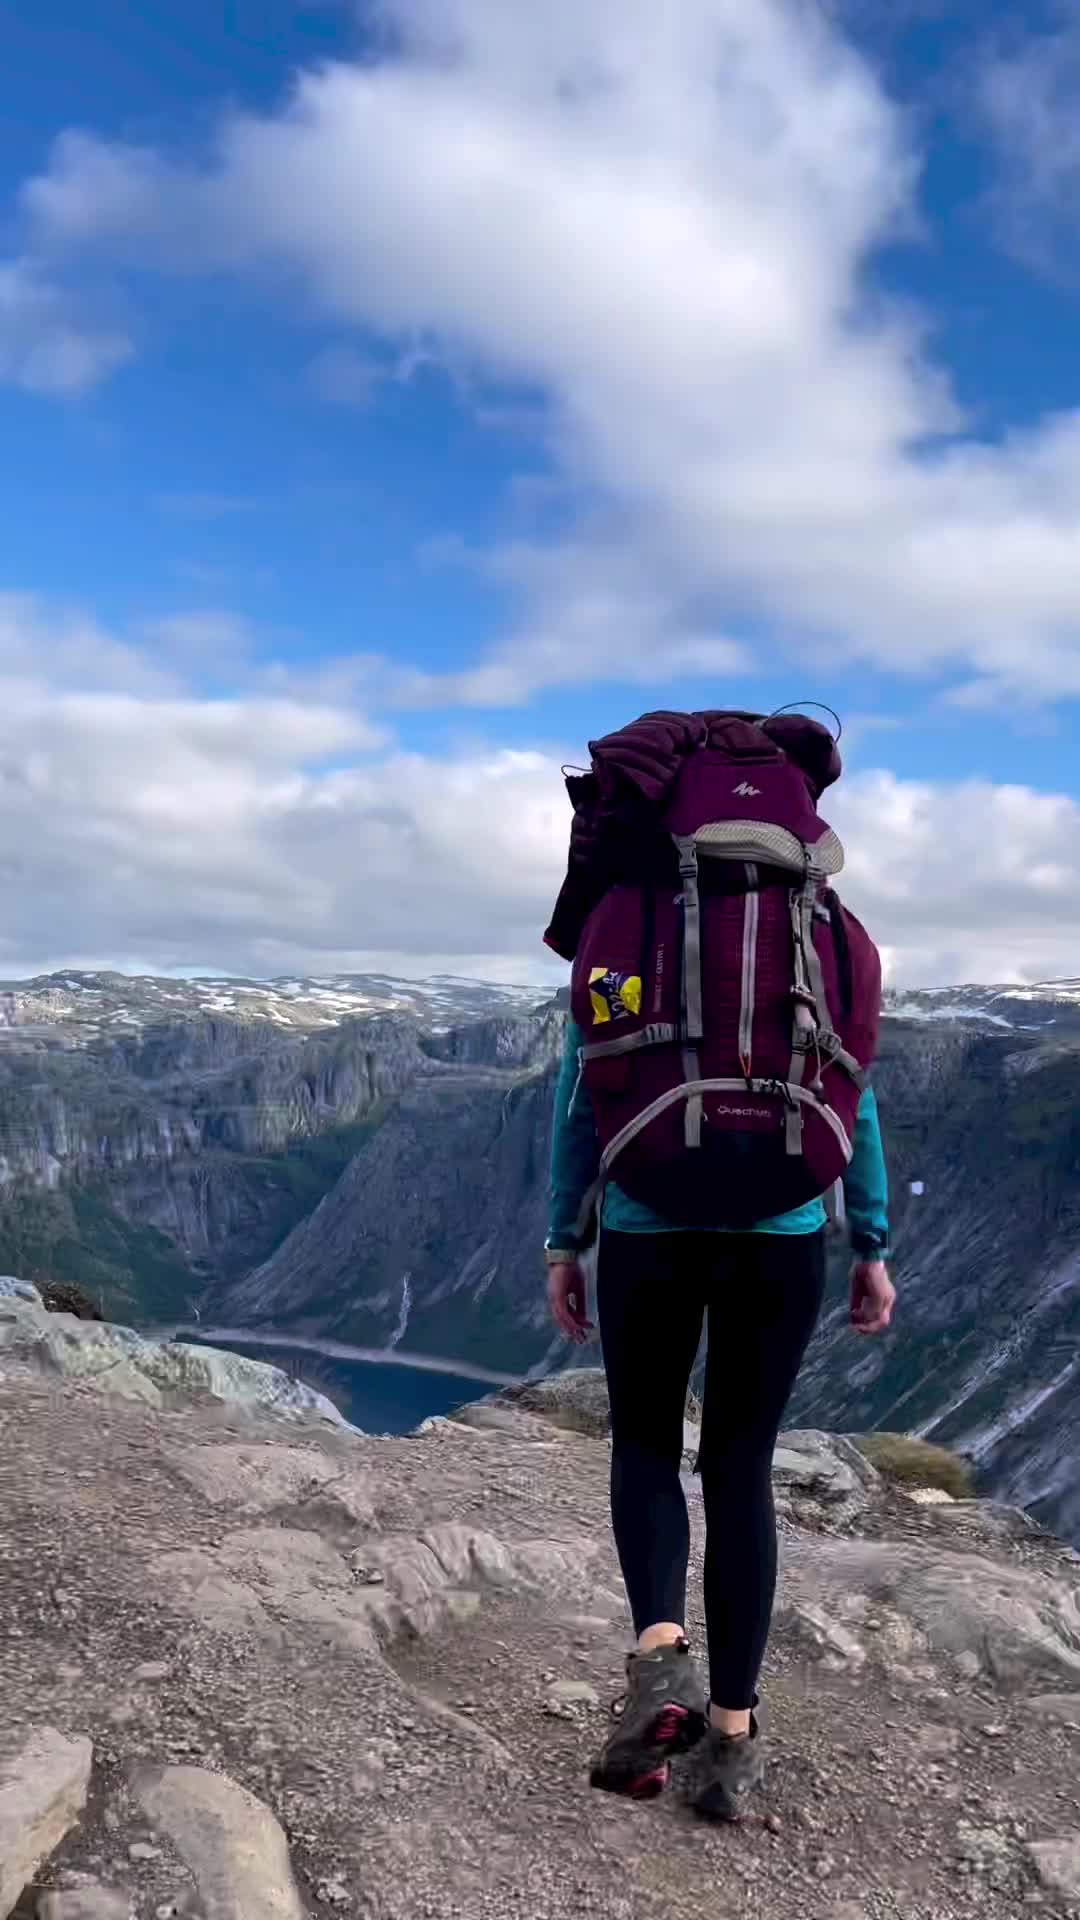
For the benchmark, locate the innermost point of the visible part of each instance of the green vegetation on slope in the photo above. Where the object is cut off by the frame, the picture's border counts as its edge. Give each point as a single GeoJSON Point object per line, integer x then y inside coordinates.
{"type": "Point", "coordinates": [136, 1274]}
{"type": "Point", "coordinates": [282, 1189]}
{"type": "Point", "coordinates": [73, 1236]}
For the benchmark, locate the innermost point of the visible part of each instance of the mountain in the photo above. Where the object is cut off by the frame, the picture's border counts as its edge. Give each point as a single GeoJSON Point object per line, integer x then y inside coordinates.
{"type": "Point", "coordinates": [377, 1176]}
{"type": "Point", "coordinates": [79, 1009]}
{"type": "Point", "coordinates": [1033, 1009]}
{"type": "Point", "coordinates": [157, 1135]}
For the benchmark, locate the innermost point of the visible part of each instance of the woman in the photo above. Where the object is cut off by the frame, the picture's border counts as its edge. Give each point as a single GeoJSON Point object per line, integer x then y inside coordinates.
{"type": "Point", "coordinates": [762, 1292]}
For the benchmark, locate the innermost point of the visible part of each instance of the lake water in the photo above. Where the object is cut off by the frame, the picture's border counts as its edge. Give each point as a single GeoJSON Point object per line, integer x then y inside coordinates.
{"type": "Point", "coordinates": [377, 1396]}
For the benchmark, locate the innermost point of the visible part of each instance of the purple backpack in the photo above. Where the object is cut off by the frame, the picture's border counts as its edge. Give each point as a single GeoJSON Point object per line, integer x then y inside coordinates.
{"type": "Point", "coordinates": [729, 1004]}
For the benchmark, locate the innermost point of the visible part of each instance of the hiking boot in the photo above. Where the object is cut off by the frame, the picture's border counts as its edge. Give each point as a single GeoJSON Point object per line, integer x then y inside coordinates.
{"type": "Point", "coordinates": [727, 1771]}
{"type": "Point", "coordinates": [662, 1713]}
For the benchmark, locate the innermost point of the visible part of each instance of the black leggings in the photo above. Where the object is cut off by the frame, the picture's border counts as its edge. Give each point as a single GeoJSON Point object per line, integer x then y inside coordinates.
{"type": "Point", "coordinates": [763, 1294]}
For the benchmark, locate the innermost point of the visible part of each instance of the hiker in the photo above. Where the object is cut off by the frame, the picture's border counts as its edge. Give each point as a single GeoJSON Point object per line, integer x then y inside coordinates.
{"type": "Point", "coordinates": [713, 1096]}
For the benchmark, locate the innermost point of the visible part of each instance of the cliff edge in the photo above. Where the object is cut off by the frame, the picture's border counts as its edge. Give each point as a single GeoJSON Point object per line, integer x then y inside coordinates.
{"type": "Point", "coordinates": [257, 1666]}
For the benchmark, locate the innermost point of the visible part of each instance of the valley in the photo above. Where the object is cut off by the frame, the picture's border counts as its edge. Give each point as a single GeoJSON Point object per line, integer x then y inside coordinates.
{"type": "Point", "coordinates": [371, 1170]}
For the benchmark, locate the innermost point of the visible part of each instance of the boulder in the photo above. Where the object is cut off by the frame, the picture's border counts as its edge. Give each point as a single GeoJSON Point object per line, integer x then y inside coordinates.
{"type": "Point", "coordinates": [13, 1289]}
{"type": "Point", "coordinates": [43, 1783]}
{"type": "Point", "coordinates": [1012, 1623]}
{"type": "Point", "coordinates": [161, 1373]}
{"type": "Point", "coordinates": [228, 1840]}
{"type": "Point", "coordinates": [822, 1476]}
{"type": "Point", "coordinates": [577, 1399]}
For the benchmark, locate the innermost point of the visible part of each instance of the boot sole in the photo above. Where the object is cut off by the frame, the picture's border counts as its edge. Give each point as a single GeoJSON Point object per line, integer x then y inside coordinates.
{"type": "Point", "coordinates": [641, 1769]}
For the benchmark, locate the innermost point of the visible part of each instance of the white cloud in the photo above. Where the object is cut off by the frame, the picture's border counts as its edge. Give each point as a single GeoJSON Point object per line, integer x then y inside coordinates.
{"type": "Point", "coordinates": [963, 881]}
{"type": "Point", "coordinates": [140, 817]}
{"type": "Point", "coordinates": [276, 831]}
{"type": "Point", "coordinates": [663, 222]}
{"type": "Point", "coordinates": [44, 347]}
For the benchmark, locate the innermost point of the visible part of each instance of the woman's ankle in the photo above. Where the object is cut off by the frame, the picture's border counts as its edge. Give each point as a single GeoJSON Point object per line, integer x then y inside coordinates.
{"type": "Point", "coordinates": [664, 1634]}
{"type": "Point", "coordinates": [734, 1723]}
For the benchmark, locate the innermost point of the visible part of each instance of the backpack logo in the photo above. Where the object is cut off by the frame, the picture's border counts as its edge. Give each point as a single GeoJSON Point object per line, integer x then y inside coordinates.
{"type": "Point", "coordinates": [614, 996]}
{"type": "Point", "coordinates": [746, 792]}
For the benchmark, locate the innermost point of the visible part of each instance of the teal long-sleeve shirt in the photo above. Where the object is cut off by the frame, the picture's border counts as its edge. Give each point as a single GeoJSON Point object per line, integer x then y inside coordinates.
{"type": "Point", "coordinates": [575, 1162]}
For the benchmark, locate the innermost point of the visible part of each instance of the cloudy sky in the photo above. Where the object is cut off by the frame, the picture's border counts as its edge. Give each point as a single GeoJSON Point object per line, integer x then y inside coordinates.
{"type": "Point", "coordinates": [396, 394]}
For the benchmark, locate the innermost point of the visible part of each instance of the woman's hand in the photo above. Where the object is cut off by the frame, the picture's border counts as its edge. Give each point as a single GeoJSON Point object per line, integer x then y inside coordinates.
{"type": "Point", "coordinates": [873, 1296]}
{"type": "Point", "coordinates": [567, 1298]}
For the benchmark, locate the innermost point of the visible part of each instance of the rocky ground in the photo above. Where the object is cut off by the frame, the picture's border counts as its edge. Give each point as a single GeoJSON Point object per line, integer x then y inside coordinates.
{"type": "Point", "coordinates": [254, 1666]}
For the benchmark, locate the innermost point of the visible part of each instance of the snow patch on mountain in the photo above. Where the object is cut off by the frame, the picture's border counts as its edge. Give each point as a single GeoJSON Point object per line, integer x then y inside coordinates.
{"type": "Point", "coordinates": [1012, 1009]}
{"type": "Point", "coordinates": [76, 1008]}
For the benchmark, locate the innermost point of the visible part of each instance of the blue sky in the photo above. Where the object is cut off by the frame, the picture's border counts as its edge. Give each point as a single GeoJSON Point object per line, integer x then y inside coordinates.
{"type": "Point", "coordinates": [405, 382]}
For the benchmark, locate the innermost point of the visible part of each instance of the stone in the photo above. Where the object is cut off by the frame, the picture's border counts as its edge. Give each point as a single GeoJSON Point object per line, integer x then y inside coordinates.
{"type": "Point", "coordinates": [822, 1635]}
{"type": "Point", "coordinates": [153, 1670]}
{"type": "Point", "coordinates": [142, 1850]}
{"type": "Point", "coordinates": [85, 1903]}
{"type": "Point", "coordinates": [565, 1699]}
{"type": "Point", "coordinates": [44, 1778]}
{"type": "Point", "coordinates": [229, 1841]}
{"type": "Point", "coordinates": [1057, 1863]}
{"type": "Point", "coordinates": [334, 1892]}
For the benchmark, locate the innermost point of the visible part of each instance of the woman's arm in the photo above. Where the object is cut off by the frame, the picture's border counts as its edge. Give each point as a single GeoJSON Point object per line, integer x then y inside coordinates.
{"type": "Point", "coordinates": [866, 1185]}
{"type": "Point", "coordinates": [575, 1150]}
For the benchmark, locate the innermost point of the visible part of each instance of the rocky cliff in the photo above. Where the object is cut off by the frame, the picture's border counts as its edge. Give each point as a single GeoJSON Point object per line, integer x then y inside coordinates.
{"type": "Point", "coordinates": [257, 1669]}
{"type": "Point", "coordinates": [159, 1135]}
{"type": "Point", "coordinates": [379, 1175]}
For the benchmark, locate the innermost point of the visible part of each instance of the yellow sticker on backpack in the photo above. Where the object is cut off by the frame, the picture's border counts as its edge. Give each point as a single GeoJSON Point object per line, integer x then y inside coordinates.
{"type": "Point", "coordinates": [614, 996]}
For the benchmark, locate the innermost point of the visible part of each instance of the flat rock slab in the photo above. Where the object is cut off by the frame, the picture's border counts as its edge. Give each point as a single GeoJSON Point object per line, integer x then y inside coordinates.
{"type": "Point", "coordinates": [227, 1839]}
{"type": "Point", "coordinates": [1020, 1625]}
{"type": "Point", "coordinates": [43, 1782]}
{"type": "Point", "coordinates": [257, 1478]}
